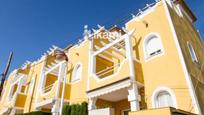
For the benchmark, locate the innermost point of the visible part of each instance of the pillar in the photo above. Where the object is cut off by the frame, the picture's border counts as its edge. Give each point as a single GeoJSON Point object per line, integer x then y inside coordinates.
{"type": "Point", "coordinates": [92, 103]}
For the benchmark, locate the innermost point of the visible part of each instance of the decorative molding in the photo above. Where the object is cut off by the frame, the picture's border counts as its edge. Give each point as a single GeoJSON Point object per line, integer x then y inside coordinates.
{"type": "Point", "coordinates": [160, 89]}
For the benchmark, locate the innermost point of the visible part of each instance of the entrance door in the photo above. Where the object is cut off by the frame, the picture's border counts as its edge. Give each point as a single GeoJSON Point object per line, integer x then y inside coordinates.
{"type": "Point", "coordinates": [125, 112]}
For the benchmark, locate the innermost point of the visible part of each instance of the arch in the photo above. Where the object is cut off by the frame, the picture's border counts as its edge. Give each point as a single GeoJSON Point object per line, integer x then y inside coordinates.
{"type": "Point", "coordinates": [152, 45]}
{"type": "Point", "coordinates": [167, 95]}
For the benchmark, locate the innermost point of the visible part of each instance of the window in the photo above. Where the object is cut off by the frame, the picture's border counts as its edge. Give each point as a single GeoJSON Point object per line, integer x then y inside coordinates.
{"type": "Point", "coordinates": [163, 97]}
{"type": "Point", "coordinates": [192, 52]}
{"type": "Point", "coordinates": [169, 2]}
{"type": "Point", "coordinates": [152, 46]}
{"type": "Point", "coordinates": [77, 72]}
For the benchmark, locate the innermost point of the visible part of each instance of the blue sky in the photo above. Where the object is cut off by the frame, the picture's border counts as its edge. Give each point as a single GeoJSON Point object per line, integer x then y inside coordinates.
{"type": "Point", "coordinates": [30, 27]}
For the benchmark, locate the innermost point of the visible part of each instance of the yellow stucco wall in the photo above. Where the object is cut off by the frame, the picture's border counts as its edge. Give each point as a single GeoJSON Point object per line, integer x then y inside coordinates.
{"type": "Point", "coordinates": [160, 71]}
{"type": "Point", "coordinates": [118, 106]}
{"type": "Point", "coordinates": [35, 73]}
{"type": "Point", "coordinates": [78, 54]}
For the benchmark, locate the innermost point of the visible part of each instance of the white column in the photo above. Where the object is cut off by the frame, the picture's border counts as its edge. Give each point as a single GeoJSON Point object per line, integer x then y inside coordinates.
{"type": "Point", "coordinates": [41, 80]}
{"type": "Point", "coordinates": [12, 112]}
{"type": "Point", "coordinates": [92, 104]}
{"type": "Point", "coordinates": [90, 64]}
{"type": "Point", "coordinates": [60, 77]}
{"type": "Point", "coordinates": [133, 96]}
{"type": "Point", "coordinates": [55, 108]}
{"type": "Point", "coordinates": [63, 88]}
{"type": "Point", "coordinates": [61, 74]}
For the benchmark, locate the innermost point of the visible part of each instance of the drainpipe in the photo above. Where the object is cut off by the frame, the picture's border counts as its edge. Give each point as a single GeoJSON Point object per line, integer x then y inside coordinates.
{"type": "Point", "coordinates": [55, 110]}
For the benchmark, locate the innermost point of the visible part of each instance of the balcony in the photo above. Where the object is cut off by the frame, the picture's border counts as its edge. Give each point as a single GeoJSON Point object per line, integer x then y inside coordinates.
{"type": "Point", "coordinates": [15, 101]}
{"type": "Point", "coordinates": [52, 82]}
{"type": "Point", "coordinates": [112, 75]}
{"type": "Point", "coordinates": [111, 57]}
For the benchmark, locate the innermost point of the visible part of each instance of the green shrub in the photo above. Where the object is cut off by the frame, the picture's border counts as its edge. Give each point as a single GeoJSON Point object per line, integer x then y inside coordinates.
{"type": "Point", "coordinates": [66, 110]}
{"type": "Point", "coordinates": [75, 109]}
{"type": "Point", "coordinates": [84, 108]}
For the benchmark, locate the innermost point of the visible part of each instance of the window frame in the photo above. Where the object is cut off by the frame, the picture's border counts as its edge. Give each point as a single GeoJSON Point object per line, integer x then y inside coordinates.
{"type": "Point", "coordinates": [158, 91]}
{"type": "Point", "coordinates": [74, 79]}
{"type": "Point", "coordinates": [152, 35]}
{"type": "Point", "coordinates": [192, 53]}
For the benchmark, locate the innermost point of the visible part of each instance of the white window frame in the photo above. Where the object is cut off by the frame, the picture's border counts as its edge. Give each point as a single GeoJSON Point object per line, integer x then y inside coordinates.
{"type": "Point", "coordinates": [158, 91]}
{"type": "Point", "coordinates": [74, 79]}
{"type": "Point", "coordinates": [192, 52]}
{"type": "Point", "coordinates": [146, 39]}
{"type": "Point", "coordinates": [170, 3]}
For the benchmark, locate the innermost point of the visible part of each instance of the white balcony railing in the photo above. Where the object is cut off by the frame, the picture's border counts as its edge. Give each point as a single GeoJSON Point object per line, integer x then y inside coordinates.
{"type": "Point", "coordinates": [49, 87]}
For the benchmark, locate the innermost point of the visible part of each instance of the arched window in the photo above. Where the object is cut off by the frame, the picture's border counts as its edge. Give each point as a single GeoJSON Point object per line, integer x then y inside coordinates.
{"type": "Point", "coordinates": [152, 46]}
{"type": "Point", "coordinates": [77, 72]}
{"type": "Point", "coordinates": [192, 52]}
{"type": "Point", "coordinates": [163, 97]}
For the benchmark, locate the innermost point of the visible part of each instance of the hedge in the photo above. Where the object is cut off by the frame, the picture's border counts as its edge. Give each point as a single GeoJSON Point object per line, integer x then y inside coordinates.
{"type": "Point", "coordinates": [75, 109]}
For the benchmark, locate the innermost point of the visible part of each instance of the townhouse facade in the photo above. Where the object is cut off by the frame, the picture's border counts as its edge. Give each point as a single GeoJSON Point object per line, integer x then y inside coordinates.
{"type": "Point", "coordinates": [153, 65]}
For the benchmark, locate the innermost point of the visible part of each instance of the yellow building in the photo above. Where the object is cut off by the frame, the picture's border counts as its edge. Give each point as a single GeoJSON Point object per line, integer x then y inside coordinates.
{"type": "Point", "coordinates": [153, 65]}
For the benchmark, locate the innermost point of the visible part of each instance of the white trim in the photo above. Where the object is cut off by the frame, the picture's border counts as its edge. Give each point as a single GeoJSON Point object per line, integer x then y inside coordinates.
{"type": "Point", "coordinates": [58, 67]}
{"type": "Point", "coordinates": [31, 85]}
{"type": "Point", "coordinates": [90, 63]}
{"type": "Point", "coordinates": [146, 38]}
{"type": "Point", "coordinates": [53, 68]}
{"type": "Point", "coordinates": [40, 104]}
{"type": "Point", "coordinates": [110, 76]}
{"type": "Point", "coordinates": [183, 64]}
{"type": "Point", "coordinates": [108, 46]}
{"type": "Point", "coordinates": [184, 13]}
{"type": "Point", "coordinates": [144, 13]}
{"type": "Point", "coordinates": [40, 83]}
{"type": "Point", "coordinates": [192, 54]}
{"type": "Point", "coordinates": [159, 90]}
{"type": "Point", "coordinates": [50, 91]}
{"type": "Point", "coordinates": [109, 89]}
